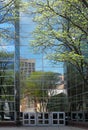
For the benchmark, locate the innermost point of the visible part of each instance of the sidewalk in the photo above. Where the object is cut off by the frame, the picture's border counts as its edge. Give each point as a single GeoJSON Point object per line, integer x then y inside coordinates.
{"type": "Point", "coordinates": [41, 128]}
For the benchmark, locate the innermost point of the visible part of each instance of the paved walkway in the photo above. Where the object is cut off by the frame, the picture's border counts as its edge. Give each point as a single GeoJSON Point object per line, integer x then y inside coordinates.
{"type": "Point", "coordinates": [41, 128]}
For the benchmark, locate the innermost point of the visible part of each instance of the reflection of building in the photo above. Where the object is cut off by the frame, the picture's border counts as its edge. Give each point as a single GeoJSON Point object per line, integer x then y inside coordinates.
{"type": "Point", "coordinates": [27, 66]}
{"type": "Point", "coordinates": [60, 87]}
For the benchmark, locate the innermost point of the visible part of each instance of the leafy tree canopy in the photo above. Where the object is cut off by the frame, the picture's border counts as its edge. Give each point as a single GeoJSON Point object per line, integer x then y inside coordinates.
{"type": "Point", "coordinates": [39, 83]}
{"type": "Point", "coordinates": [62, 31]}
{"type": "Point", "coordinates": [39, 86]}
{"type": "Point", "coordinates": [9, 15]}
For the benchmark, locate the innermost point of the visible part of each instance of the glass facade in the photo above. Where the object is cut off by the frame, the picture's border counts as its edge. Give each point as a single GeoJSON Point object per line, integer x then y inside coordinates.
{"type": "Point", "coordinates": [41, 81]}
{"type": "Point", "coordinates": [77, 94]}
{"type": "Point", "coordinates": [7, 80]}
{"type": "Point", "coordinates": [7, 86]}
{"type": "Point", "coordinates": [9, 65]}
{"type": "Point", "coordinates": [16, 54]}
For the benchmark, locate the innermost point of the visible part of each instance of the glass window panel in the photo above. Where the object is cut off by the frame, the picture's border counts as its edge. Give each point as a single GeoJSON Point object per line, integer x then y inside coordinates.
{"type": "Point", "coordinates": [55, 116]}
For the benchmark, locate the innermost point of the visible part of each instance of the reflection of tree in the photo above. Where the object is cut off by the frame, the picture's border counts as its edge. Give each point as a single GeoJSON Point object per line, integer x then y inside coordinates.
{"type": "Point", "coordinates": [6, 78]}
{"type": "Point", "coordinates": [39, 85]}
{"type": "Point", "coordinates": [62, 32]}
{"type": "Point", "coordinates": [58, 103]}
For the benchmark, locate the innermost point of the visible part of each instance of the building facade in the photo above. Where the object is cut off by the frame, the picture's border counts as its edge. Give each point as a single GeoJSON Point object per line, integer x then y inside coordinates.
{"type": "Point", "coordinates": [26, 67]}
{"type": "Point", "coordinates": [77, 95]}
{"type": "Point", "coordinates": [9, 65]}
